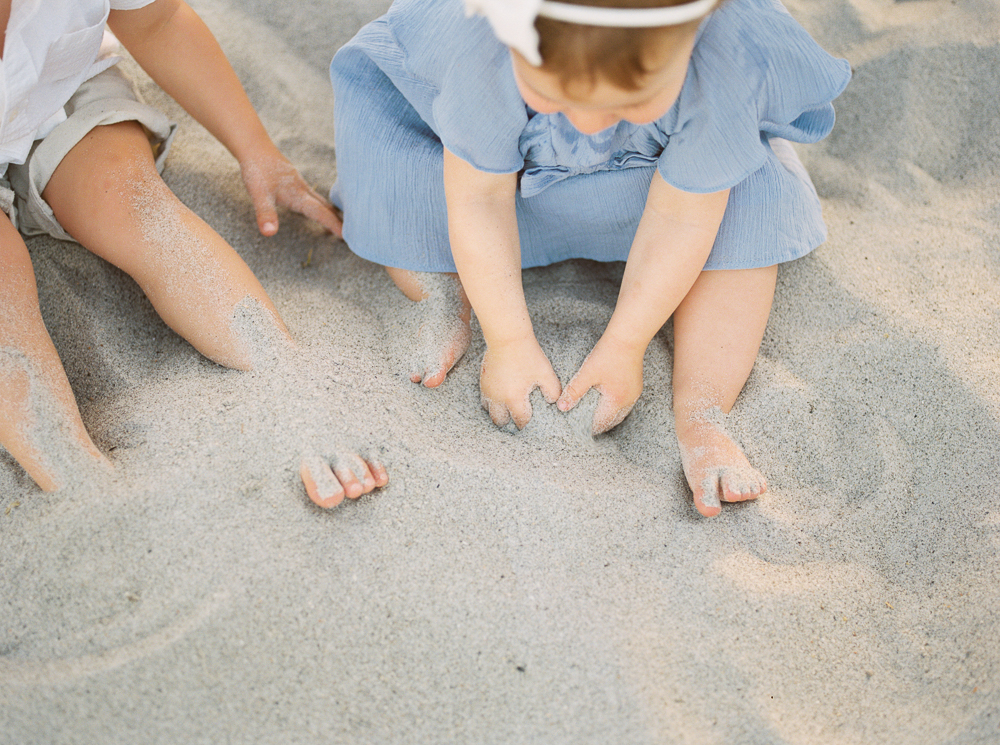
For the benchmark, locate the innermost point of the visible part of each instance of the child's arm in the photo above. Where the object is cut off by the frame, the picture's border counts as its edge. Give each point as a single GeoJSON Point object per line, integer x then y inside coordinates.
{"type": "Point", "coordinates": [482, 227]}
{"type": "Point", "coordinates": [670, 248]}
{"type": "Point", "coordinates": [176, 49]}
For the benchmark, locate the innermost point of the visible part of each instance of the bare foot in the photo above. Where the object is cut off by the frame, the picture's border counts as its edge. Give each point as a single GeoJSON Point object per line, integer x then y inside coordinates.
{"type": "Point", "coordinates": [347, 474]}
{"type": "Point", "coordinates": [716, 468]}
{"type": "Point", "coordinates": [443, 337]}
{"type": "Point", "coordinates": [444, 315]}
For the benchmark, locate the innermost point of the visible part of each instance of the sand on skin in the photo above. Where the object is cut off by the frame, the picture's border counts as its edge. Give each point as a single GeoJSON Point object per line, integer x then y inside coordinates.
{"type": "Point", "coordinates": [541, 586]}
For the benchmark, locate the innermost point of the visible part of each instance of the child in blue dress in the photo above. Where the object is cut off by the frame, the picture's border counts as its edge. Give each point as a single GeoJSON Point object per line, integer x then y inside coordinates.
{"type": "Point", "coordinates": [475, 141]}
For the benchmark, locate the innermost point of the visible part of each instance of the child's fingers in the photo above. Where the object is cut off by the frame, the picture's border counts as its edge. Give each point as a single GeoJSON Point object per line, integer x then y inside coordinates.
{"type": "Point", "coordinates": [273, 184]}
{"type": "Point", "coordinates": [498, 411]}
{"type": "Point", "coordinates": [521, 413]}
{"type": "Point", "coordinates": [575, 390]}
{"type": "Point", "coordinates": [262, 198]}
{"type": "Point", "coordinates": [312, 205]}
{"type": "Point", "coordinates": [267, 223]}
{"type": "Point", "coordinates": [266, 209]}
{"type": "Point", "coordinates": [551, 387]}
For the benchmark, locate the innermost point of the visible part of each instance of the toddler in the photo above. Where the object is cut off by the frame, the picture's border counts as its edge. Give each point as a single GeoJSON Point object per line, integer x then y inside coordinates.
{"type": "Point", "coordinates": [79, 160]}
{"type": "Point", "coordinates": [475, 140]}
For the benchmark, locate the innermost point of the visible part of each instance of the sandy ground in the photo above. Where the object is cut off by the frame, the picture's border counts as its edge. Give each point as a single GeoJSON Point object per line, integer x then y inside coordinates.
{"type": "Point", "coordinates": [540, 587]}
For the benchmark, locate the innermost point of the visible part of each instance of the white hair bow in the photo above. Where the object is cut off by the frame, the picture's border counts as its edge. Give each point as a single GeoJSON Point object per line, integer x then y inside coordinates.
{"type": "Point", "coordinates": [513, 21]}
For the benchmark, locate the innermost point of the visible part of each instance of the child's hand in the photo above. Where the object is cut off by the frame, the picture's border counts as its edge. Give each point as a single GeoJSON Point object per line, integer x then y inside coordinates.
{"type": "Point", "coordinates": [509, 374]}
{"type": "Point", "coordinates": [175, 47]}
{"type": "Point", "coordinates": [273, 181]}
{"type": "Point", "coordinates": [614, 368]}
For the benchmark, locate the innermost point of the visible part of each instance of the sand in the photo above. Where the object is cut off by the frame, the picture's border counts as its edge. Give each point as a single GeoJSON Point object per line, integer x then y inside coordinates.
{"type": "Point", "coordinates": [540, 587]}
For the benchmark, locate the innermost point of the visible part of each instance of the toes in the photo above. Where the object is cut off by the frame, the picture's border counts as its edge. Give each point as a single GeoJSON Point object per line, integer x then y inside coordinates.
{"type": "Point", "coordinates": [717, 469]}
{"type": "Point", "coordinates": [323, 488]}
{"type": "Point", "coordinates": [727, 486]}
{"type": "Point", "coordinates": [441, 343]}
{"type": "Point", "coordinates": [429, 373]}
{"type": "Point", "coordinates": [350, 477]}
{"type": "Point", "coordinates": [706, 498]}
{"type": "Point", "coordinates": [433, 380]}
{"type": "Point", "coordinates": [741, 487]}
{"type": "Point", "coordinates": [731, 495]}
{"type": "Point", "coordinates": [379, 474]}
{"type": "Point", "coordinates": [354, 476]}
{"type": "Point", "coordinates": [433, 374]}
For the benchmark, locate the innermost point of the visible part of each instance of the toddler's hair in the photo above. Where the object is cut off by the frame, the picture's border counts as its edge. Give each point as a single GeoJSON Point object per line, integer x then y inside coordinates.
{"type": "Point", "coordinates": [618, 56]}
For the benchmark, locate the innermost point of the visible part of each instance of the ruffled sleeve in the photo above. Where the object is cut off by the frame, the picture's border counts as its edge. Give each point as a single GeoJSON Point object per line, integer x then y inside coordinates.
{"type": "Point", "coordinates": [755, 73]}
{"type": "Point", "coordinates": [458, 77]}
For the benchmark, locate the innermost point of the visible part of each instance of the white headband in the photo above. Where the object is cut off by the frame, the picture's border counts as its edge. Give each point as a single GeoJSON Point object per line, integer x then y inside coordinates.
{"type": "Point", "coordinates": [513, 21]}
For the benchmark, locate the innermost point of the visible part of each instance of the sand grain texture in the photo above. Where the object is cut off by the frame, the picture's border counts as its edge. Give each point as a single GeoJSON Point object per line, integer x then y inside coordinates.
{"type": "Point", "coordinates": [539, 587]}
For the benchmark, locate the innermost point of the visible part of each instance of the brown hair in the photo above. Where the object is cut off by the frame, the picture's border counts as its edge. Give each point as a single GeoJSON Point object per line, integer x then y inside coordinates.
{"type": "Point", "coordinates": [619, 56]}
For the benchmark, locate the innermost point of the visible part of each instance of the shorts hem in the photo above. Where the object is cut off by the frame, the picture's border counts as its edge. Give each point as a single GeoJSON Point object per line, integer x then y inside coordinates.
{"type": "Point", "coordinates": [34, 214]}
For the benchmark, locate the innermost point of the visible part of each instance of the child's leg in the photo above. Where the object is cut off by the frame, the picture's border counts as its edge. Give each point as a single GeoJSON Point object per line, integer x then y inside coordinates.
{"type": "Point", "coordinates": [718, 328]}
{"type": "Point", "coordinates": [444, 323]}
{"type": "Point", "coordinates": [40, 424]}
{"type": "Point", "coordinates": [107, 194]}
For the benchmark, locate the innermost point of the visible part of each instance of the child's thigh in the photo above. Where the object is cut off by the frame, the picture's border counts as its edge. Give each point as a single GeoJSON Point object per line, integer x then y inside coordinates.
{"type": "Point", "coordinates": [108, 99]}
{"type": "Point", "coordinates": [108, 194]}
{"type": "Point", "coordinates": [100, 187]}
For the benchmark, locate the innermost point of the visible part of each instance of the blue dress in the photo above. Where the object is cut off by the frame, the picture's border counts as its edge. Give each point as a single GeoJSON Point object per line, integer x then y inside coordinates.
{"type": "Point", "coordinates": [424, 75]}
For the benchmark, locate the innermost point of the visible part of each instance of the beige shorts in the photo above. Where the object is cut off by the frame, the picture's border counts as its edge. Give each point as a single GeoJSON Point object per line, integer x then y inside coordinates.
{"type": "Point", "coordinates": [107, 98]}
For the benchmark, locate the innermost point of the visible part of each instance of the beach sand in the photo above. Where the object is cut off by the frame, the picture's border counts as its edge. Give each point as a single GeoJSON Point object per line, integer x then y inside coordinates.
{"type": "Point", "coordinates": [542, 586]}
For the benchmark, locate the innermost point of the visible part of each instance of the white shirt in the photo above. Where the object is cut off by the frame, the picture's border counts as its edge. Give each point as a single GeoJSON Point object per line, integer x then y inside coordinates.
{"type": "Point", "coordinates": [51, 47]}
